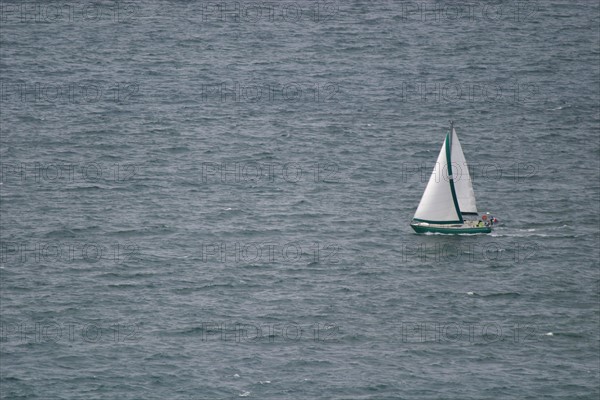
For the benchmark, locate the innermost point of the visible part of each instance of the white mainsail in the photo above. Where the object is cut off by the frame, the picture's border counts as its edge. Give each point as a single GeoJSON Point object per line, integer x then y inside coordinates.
{"type": "Point", "coordinates": [449, 192]}
{"type": "Point", "coordinates": [437, 203]}
{"type": "Point", "coordinates": [463, 186]}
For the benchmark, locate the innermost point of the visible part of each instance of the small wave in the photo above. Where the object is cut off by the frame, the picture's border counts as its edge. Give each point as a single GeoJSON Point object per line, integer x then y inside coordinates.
{"type": "Point", "coordinates": [558, 108]}
{"type": "Point", "coordinates": [123, 285]}
{"type": "Point", "coordinates": [84, 188]}
{"type": "Point", "coordinates": [61, 233]}
{"type": "Point", "coordinates": [560, 227]}
{"type": "Point", "coordinates": [503, 294]}
{"type": "Point", "coordinates": [569, 335]}
{"type": "Point", "coordinates": [179, 149]}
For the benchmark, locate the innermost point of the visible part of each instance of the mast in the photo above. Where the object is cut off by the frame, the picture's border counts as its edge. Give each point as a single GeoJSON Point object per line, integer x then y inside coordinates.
{"type": "Point", "coordinates": [450, 172]}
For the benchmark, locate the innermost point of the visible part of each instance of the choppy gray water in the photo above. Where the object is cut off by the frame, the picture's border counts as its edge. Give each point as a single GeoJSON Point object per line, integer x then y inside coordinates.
{"type": "Point", "coordinates": [208, 200]}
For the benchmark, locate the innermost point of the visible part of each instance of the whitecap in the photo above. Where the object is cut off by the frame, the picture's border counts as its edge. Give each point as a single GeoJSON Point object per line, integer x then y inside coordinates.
{"type": "Point", "coordinates": [244, 394]}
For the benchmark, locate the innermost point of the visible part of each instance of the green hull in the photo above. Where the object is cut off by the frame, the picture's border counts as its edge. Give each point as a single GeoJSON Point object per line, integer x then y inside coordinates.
{"type": "Point", "coordinates": [451, 231]}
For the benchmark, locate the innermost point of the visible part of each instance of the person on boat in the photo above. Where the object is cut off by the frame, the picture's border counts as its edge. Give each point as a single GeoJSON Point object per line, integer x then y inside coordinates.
{"type": "Point", "coordinates": [485, 221]}
{"type": "Point", "coordinates": [480, 224]}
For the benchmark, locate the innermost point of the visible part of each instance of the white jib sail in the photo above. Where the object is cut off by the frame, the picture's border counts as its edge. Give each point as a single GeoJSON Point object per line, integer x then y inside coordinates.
{"type": "Point", "coordinates": [437, 203]}
{"type": "Point", "coordinates": [463, 186]}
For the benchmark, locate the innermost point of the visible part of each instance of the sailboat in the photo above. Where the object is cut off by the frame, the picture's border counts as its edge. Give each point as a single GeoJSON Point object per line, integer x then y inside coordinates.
{"type": "Point", "coordinates": [448, 203]}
